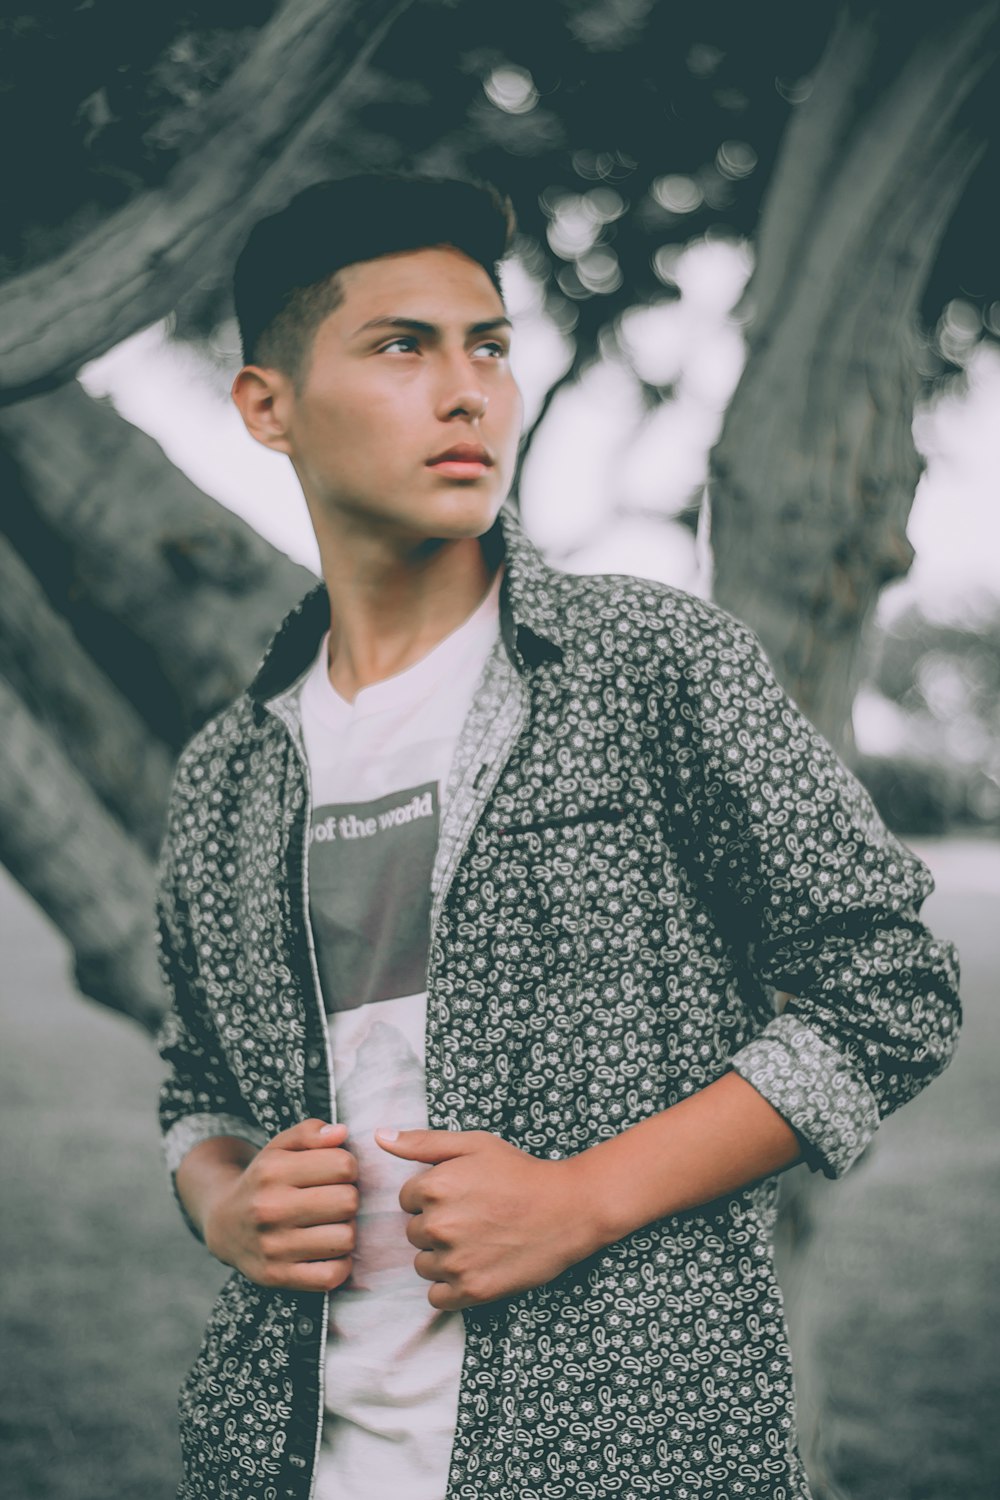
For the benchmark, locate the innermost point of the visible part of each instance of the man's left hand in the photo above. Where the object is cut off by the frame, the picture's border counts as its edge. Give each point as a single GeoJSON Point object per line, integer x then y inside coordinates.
{"type": "Point", "coordinates": [488, 1219]}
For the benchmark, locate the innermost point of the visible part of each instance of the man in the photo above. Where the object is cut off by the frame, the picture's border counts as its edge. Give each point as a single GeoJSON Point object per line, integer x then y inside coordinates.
{"type": "Point", "coordinates": [503, 865]}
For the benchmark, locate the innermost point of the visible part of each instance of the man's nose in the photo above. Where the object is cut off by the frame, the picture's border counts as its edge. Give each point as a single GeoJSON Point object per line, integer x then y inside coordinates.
{"type": "Point", "coordinates": [470, 403]}
{"type": "Point", "coordinates": [461, 392]}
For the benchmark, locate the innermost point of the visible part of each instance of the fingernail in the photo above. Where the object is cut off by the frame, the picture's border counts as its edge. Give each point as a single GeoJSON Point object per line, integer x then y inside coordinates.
{"type": "Point", "coordinates": [328, 1129]}
{"type": "Point", "coordinates": [388, 1132]}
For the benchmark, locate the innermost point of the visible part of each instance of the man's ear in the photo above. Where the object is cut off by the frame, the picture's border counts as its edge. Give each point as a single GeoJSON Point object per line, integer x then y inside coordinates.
{"type": "Point", "coordinates": [264, 398]}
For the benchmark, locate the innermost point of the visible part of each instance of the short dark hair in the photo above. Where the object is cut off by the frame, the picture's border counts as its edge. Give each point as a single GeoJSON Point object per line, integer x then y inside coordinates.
{"type": "Point", "coordinates": [285, 279]}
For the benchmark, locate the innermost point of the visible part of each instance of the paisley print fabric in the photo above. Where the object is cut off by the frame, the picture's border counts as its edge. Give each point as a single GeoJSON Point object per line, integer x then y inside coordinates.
{"type": "Point", "coordinates": [642, 839]}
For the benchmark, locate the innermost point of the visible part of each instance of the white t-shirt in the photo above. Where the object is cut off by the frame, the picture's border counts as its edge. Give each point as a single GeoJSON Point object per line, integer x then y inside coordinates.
{"type": "Point", "coordinates": [378, 768]}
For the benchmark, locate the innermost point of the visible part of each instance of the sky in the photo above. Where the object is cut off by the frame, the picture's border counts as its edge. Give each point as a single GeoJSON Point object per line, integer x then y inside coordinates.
{"type": "Point", "coordinates": [595, 494]}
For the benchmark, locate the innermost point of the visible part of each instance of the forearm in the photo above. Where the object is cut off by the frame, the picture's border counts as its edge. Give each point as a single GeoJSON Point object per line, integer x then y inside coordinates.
{"type": "Point", "coordinates": [208, 1171]}
{"type": "Point", "coordinates": [714, 1143]}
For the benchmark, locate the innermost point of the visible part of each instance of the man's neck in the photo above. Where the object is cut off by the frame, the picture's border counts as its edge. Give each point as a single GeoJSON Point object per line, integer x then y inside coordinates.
{"type": "Point", "coordinates": [389, 607]}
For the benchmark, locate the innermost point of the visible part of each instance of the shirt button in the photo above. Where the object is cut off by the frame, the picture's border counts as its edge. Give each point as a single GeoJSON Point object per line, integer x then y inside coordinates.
{"type": "Point", "coordinates": [304, 1327]}
{"type": "Point", "coordinates": [313, 1059]}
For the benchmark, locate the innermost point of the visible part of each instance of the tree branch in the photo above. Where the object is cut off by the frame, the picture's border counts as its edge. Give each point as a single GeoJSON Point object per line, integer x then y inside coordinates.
{"type": "Point", "coordinates": [111, 748]}
{"type": "Point", "coordinates": [134, 267]}
{"type": "Point", "coordinates": [814, 475]}
{"type": "Point", "coordinates": [528, 437]}
{"type": "Point", "coordinates": [172, 595]}
{"type": "Point", "coordinates": [76, 861]}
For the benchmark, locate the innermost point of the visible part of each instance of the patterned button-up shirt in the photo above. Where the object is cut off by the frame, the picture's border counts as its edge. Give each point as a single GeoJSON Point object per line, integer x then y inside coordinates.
{"type": "Point", "coordinates": [642, 840]}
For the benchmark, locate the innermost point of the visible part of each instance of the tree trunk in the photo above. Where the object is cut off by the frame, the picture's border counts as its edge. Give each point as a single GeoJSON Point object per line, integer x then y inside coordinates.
{"type": "Point", "coordinates": [134, 268]}
{"type": "Point", "coordinates": [814, 475]}
{"type": "Point", "coordinates": [78, 707]}
{"type": "Point", "coordinates": [173, 596]}
{"type": "Point", "coordinates": [61, 844]}
{"type": "Point", "coordinates": [813, 478]}
{"type": "Point", "coordinates": [131, 607]}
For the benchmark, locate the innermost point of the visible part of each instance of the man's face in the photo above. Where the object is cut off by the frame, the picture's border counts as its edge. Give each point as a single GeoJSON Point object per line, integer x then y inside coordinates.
{"type": "Point", "coordinates": [412, 364]}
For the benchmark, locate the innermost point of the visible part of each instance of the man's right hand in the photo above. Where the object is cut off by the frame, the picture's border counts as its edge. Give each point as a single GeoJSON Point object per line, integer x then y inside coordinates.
{"type": "Point", "coordinates": [285, 1215]}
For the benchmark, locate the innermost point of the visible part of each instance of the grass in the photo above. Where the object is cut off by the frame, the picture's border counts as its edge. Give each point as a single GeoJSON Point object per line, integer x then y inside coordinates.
{"type": "Point", "coordinates": [104, 1293]}
{"type": "Point", "coordinates": [906, 1269]}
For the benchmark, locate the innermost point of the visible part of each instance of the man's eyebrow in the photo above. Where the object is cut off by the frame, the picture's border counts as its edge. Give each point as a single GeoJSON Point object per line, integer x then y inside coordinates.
{"type": "Point", "coordinates": [415, 325]}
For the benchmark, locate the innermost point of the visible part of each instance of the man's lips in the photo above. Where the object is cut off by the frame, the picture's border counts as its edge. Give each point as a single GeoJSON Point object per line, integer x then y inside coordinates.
{"type": "Point", "coordinates": [463, 455]}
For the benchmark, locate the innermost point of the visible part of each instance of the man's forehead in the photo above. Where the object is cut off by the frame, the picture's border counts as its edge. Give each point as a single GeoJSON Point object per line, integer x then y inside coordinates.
{"type": "Point", "coordinates": [438, 276]}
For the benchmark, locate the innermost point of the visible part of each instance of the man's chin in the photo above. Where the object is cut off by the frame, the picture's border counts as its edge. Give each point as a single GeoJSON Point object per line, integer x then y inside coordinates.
{"type": "Point", "coordinates": [460, 512]}
{"type": "Point", "coordinates": [446, 513]}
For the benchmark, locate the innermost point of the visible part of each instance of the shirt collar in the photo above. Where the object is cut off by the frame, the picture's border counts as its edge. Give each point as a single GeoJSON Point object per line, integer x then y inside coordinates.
{"type": "Point", "coordinates": [529, 614]}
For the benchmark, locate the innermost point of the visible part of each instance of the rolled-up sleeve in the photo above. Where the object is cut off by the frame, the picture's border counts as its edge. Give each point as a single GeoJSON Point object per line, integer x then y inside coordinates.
{"type": "Point", "coordinates": [823, 902]}
{"type": "Point", "coordinates": [199, 1097]}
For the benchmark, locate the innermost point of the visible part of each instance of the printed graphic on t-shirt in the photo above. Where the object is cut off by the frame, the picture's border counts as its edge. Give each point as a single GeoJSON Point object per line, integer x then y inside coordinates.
{"type": "Point", "coordinates": [383, 1081]}
{"type": "Point", "coordinates": [370, 869]}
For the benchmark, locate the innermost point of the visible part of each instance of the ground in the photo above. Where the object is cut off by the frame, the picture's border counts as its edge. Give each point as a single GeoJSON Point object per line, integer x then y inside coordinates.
{"type": "Point", "coordinates": [104, 1291]}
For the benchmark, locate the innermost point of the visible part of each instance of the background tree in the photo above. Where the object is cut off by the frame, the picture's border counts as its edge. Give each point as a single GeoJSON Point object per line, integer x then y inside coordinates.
{"type": "Point", "coordinates": [851, 144]}
{"type": "Point", "coordinates": [943, 680]}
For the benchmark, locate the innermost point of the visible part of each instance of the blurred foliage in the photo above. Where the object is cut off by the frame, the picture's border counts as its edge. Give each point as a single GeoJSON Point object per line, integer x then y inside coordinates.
{"type": "Point", "coordinates": [622, 129]}
{"type": "Point", "coordinates": [945, 681]}
{"type": "Point", "coordinates": [102, 96]}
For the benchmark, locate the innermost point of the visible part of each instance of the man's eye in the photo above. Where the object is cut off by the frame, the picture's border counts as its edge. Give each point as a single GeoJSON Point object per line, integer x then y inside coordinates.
{"type": "Point", "coordinates": [496, 350]}
{"type": "Point", "coordinates": [405, 341]}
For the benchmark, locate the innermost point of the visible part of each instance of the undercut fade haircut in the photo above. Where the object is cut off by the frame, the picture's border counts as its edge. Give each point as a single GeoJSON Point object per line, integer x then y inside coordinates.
{"type": "Point", "coordinates": [285, 282]}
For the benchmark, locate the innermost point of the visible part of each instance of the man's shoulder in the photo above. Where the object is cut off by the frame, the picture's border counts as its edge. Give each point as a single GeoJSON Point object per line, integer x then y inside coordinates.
{"type": "Point", "coordinates": [658, 620]}
{"type": "Point", "coordinates": [217, 757]}
{"type": "Point", "coordinates": [230, 729]}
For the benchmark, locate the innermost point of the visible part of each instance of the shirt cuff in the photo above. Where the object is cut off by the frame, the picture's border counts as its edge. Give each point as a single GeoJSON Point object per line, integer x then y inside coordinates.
{"type": "Point", "coordinates": [191, 1130]}
{"type": "Point", "coordinates": [815, 1088]}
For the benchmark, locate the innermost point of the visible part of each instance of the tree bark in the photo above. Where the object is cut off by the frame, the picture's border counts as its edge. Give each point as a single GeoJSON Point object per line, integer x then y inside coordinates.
{"type": "Point", "coordinates": [135, 266]}
{"type": "Point", "coordinates": [67, 851]}
{"type": "Point", "coordinates": [813, 477]}
{"type": "Point", "coordinates": [132, 606]}
{"type": "Point", "coordinates": [88, 717]}
{"type": "Point", "coordinates": [173, 596]}
{"type": "Point", "coordinates": [812, 480]}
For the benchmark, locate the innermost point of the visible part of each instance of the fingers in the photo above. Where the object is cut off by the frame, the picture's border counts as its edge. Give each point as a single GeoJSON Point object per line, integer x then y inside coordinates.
{"type": "Point", "coordinates": [309, 1154]}
{"type": "Point", "coordinates": [311, 1276]}
{"type": "Point", "coordinates": [418, 1192]}
{"type": "Point", "coordinates": [321, 1275]}
{"type": "Point", "coordinates": [323, 1205]}
{"type": "Point", "coordinates": [427, 1263]}
{"type": "Point", "coordinates": [280, 1207]}
{"type": "Point", "coordinates": [307, 1169]}
{"type": "Point", "coordinates": [323, 1242]}
{"type": "Point", "coordinates": [419, 1237]}
{"type": "Point", "coordinates": [308, 1134]}
{"type": "Point", "coordinates": [275, 1167]}
{"type": "Point", "coordinates": [304, 1259]}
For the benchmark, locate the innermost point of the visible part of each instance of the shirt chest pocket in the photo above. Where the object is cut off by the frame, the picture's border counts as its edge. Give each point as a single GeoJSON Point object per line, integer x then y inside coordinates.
{"type": "Point", "coordinates": [561, 890]}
